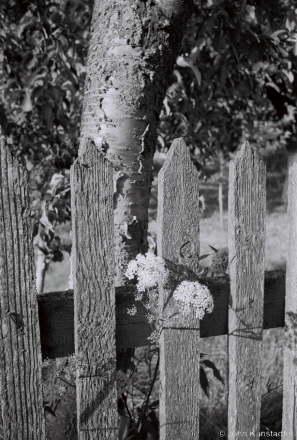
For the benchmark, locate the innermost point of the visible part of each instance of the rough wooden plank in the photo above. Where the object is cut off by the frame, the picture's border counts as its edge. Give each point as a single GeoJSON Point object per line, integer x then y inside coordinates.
{"type": "Point", "coordinates": [20, 360]}
{"type": "Point", "coordinates": [246, 236]}
{"type": "Point", "coordinates": [94, 295]}
{"type": "Point", "coordinates": [178, 242]}
{"type": "Point", "coordinates": [290, 346]}
{"type": "Point", "coordinates": [56, 315]}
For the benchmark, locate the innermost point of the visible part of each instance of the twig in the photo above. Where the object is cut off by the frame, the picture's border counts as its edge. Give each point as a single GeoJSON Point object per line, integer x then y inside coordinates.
{"type": "Point", "coordinates": [272, 389]}
{"type": "Point", "coordinates": [129, 414]}
{"type": "Point", "coordinates": [213, 424]}
{"type": "Point", "coordinates": [149, 393]}
{"type": "Point", "coordinates": [68, 383]}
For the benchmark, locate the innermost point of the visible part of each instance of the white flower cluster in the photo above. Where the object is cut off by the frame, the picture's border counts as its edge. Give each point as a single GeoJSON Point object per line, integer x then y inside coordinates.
{"type": "Point", "coordinates": [193, 295]}
{"type": "Point", "coordinates": [149, 270]}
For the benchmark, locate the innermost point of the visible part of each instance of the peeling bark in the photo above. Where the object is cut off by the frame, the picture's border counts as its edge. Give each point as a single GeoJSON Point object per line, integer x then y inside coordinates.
{"type": "Point", "coordinates": [132, 53]}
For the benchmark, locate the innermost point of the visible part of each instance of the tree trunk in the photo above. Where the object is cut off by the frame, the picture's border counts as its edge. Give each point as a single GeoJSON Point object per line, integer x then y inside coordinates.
{"type": "Point", "coordinates": [220, 195]}
{"type": "Point", "coordinates": [292, 158]}
{"type": "Point", "coordinates": [132, 53]}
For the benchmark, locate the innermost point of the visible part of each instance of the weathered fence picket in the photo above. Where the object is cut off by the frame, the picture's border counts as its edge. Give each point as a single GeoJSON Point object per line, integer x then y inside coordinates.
{"type": "Point", "coordinates": [20, 360]}
{"type": "Point", "coordinates": [94, 295]}
{"type": "Point", "coordinates": [290, 347]}
{"type": "Point", "coordinates": [246, 236]}
{"type": "Point", "coordinates": [178, 242]}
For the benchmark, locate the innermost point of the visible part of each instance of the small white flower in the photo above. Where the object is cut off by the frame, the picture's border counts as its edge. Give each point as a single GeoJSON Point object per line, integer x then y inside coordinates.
{"type": "Point", "coordinates": [149, 270]}
{"type": "Point", "coordinates": [150, 318]}
{"type": "Point", "coordinates": [154, 337]}
{"type": "Point", "coordinates": [193, 295]}
{"type": "Point", "coordinates": [132, 311]}
{"type": "Point", "coordinates": [139, 296]}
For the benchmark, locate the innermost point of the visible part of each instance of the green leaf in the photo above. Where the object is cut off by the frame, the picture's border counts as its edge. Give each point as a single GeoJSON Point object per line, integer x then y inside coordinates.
{"type": "Point", "coordinates": [131, 366]}
{"type": "Point", "coordinates": [214, 249]}
{"type": "Point", "coordinates": [203, 256]}
{"type": "Point", "coordinates": [47, 113]}
{"type": "Point", "coordinates": [204, 381]}
{"type": "Point", "coordinates": [149, 428]}
{"type": "Point", "coordinates": [243, 7]}
{"type": "Point", "coordinates": [154, 404]}
{"type": "Point", "coordinates": [27, 103]}
{"type": "Point", "coordinates": [124, 425]}
{"type": "Point", "coordinates": [283, 52]}
{"type": "Point", "coordinates": [50, 410]}
{"type": "Point", "coordinates": [216, 372]}
{"type": "Point", "coordinates": [277, 33]}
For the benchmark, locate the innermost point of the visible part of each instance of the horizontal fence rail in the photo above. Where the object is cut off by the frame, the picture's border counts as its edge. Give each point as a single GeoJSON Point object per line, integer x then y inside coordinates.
{"type": "Point", "coordinates": [56, 315]}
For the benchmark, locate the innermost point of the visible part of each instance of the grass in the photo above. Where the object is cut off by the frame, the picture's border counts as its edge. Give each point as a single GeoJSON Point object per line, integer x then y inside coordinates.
{"type": "Point", "coordinates": [276, 237]}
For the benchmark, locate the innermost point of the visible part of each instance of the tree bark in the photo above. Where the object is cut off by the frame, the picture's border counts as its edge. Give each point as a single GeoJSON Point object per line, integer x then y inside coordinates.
{"type": "Point", "coordinates": [132, 53]}
{"type": "Point", "coordinates": [292, 158]}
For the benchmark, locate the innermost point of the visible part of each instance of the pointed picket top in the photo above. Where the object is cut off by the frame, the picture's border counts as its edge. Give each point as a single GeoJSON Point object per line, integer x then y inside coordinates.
{"type": "Point", "coordinates": [246, 152]}
{"type": "Point", "coordinates": [177, 151]}
{"type": "Point", "coordinates": [178, 212]}
{"type": "Point", "coordinates": [90, 153]}
{"type": "Point", "coordinates": [11, 159]}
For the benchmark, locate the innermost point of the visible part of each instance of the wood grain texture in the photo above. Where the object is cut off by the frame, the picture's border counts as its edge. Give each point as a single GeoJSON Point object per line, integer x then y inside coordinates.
{"type": "Point", "coordinates": [20, 360]}
{"type": "Point", "coordinates": [290, 347]}
{"type": "Point", "coordinates": [94, 295]}
{"type": "Point", "coordinates": [178, 242]}
{"type": "Point", "coordinates": [56, 315]}
{"type": "Point", "coordinates": [246, 236]}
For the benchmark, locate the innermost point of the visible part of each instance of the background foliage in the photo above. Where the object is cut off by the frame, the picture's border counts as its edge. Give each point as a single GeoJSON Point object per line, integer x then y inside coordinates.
{"type": "Point", "coordinates": [234, 77]}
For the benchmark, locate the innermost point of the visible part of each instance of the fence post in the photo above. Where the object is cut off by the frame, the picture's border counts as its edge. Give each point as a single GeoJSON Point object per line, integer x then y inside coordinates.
{"type": "Point", "coordinates": [247, 211]}
{"type": "Point", "coordinates": [289, 421]}
{"type": "Point", "coordinates": [20, 360]}
{"type": "Point", "coordinates": [94, 295]}
{"type": "Point", "coordinates": [178, 242]}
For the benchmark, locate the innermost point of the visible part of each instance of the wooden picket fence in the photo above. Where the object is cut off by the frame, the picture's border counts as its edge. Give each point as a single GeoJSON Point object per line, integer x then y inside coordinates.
{"type": "Point", "coordinates": [93, 322]}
